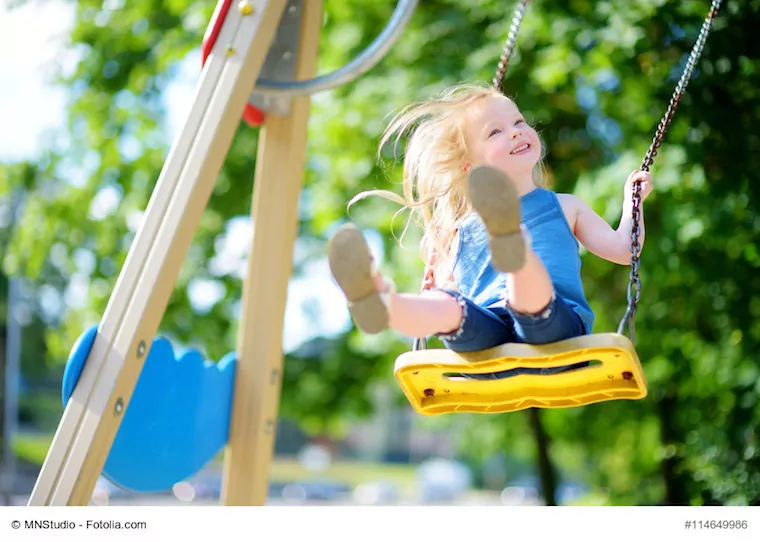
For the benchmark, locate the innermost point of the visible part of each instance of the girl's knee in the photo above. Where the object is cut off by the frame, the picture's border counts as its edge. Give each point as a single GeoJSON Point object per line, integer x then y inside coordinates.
{"type": "Point", "coordinates": [443, 295]}
{"type": "Point", "coordinates": [453, 304]}
{"type": "Point", "coordinates": [555, 322]}
{"type": "Point", "coordinates": [542, 310]}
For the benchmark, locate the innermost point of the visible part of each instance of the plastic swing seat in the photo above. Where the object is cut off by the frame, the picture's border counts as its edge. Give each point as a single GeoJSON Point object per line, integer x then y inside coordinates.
{"type": "Point", "coordinates": [434, 380]}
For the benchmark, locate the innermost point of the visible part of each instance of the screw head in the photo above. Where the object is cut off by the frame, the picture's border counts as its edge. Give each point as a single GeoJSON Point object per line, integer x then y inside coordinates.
{"type": "Point", "coordinates": [274, 376]}
{"type": "Point", "coordinates": [245, 7]}
{"type": "Point", "coordinates": [229, 51]}
{"type": "Point", "coordinates": [118, 408]}
{"type": "Point", "coordinates": [141, 349]}
{"type": "Point", "coordinates": [268, 426]}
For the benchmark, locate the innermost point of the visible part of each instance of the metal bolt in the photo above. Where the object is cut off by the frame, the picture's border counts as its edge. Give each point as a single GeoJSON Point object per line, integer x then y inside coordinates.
{"type": "Point", "coordinates": [268, 427]}
{"type": "Point", "coordinates": [292, 8]}
{"type": "Point", "coordinates": [245, 7]}
{"type": "Point", "coordinates": [141, 349]}
{"type": "Point", "coordinates": [229, 51]}
{"type": "Point", "coordinates": [286, 55]}
{"type": "Point", "coordinates": [273, 377]}
{"type": "Point", "coordinates": [118, 408]}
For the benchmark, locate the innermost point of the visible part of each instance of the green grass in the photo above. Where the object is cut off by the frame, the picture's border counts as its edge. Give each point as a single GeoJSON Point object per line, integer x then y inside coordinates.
{"type": "Point", "coordinates": [33, 448]}
{"type": "Point", "coordinates": [595, 498]}
{"type": "Point", "coordinates": [351, 473]}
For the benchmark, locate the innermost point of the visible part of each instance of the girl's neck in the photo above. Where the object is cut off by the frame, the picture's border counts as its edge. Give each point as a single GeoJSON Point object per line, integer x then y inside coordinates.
{"type": "Point", "coordinates": [524, 183]}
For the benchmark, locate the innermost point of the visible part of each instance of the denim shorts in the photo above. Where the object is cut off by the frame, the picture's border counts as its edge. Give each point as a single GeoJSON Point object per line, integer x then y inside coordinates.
{"type": "Point", "coordinates": [483, 328]}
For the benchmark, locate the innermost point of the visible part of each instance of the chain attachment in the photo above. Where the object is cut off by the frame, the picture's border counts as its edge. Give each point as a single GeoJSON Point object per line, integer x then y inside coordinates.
{"type": "Point", "coordinates": [509, 46]}
{"type": "Point", "coordinates": [634, 280]}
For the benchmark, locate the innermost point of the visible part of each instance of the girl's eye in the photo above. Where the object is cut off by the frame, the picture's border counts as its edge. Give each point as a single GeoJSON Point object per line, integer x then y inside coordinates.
{"type": "Point", "coordinates": [519, 121]}
{"type": "Point", "coordinates": [494, 131]}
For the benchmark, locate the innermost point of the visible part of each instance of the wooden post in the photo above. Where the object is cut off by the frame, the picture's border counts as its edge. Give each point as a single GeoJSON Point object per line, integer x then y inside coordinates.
{"type": "Point", "coordinates": [279, 176]}
{"type": "Point", "coordinates": [134, 312]}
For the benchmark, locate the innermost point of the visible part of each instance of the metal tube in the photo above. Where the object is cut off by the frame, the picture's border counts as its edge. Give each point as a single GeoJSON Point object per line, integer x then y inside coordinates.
{"type": "Point", "coordinates": [357, 67]}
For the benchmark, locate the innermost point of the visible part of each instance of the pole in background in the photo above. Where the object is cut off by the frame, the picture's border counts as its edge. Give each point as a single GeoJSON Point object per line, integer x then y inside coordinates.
{"type": "Point", "coordinates": [12, 377]}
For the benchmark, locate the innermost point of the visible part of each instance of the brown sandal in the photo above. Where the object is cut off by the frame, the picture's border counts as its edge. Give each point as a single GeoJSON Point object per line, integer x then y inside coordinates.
{"type": "Point", "coordinates": [494, 197]}
{"type": "Point", "coordinates": [354, 269]}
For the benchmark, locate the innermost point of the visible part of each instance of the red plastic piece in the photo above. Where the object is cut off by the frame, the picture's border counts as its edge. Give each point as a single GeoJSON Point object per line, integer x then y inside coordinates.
{"type": "Point", "coordinates": [214, 27]}
{"type": "Point", "coordinates": [251, 115]}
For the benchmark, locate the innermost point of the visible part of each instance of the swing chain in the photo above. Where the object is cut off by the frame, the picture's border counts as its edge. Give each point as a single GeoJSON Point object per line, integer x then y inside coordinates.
{"type": "Point", "coordinates": [509, 46]}
{"type": "Point", "coordinates": [634, 281]}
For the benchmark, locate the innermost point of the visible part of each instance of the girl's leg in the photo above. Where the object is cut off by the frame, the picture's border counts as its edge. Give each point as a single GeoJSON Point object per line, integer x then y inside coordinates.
{"type": "Point", "coordinates": [530, 289]}
{"type": "Point", "coordinates": [494, 197]}
{"type": "Point", "coordinates": [373, 304]}
{"type": "Point", "coordinates": [539, 316]}
{"type": "Point", "coordinates": [425, 314]}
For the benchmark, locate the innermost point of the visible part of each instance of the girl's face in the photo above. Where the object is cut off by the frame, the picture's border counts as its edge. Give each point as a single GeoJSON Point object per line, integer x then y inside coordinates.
{"type": "Point", "coordinates": [497, 135]}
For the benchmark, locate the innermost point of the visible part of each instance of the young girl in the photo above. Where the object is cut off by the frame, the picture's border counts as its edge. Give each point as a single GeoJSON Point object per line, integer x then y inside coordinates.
{"type": "Point", "coordinates": [501, 250]}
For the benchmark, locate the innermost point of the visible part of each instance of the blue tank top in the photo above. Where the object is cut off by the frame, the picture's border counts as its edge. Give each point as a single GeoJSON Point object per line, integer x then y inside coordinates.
{"type": "Point", "coordinates": [552, 240]}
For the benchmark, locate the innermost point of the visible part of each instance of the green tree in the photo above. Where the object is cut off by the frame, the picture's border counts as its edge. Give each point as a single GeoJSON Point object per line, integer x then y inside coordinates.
{"type": "Point", "coordinates": [595, 77]}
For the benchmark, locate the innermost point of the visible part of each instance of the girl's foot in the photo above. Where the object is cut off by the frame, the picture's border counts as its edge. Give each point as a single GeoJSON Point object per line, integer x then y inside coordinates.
{"type": "Point", "coordinates": [495, 198]}
{"type": "Point", "coordinates": [353, 268]}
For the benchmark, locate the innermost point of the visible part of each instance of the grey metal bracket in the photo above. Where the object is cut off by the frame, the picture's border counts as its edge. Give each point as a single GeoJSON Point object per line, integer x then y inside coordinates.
{"type": "Point", "coordinates": [276, 87]}
{"type": "Point", "coordinates": [280, 63]}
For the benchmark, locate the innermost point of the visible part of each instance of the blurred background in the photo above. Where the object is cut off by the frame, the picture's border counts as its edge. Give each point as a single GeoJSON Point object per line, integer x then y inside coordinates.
{"type": "Point", "coordinates": [92, 94]}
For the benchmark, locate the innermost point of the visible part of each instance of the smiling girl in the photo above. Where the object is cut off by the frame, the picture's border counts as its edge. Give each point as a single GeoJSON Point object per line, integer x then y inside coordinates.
{"type": "Point", "coordinates": [502, 251]}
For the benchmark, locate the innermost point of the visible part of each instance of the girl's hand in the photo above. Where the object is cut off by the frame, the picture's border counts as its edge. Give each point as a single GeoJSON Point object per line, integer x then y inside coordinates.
{"type": "Point", "coordinates": [643, 177]}
{"type": "Point", "coordinates": [428, 280]}
{"type": "Point", "coordinates": [436, 275]}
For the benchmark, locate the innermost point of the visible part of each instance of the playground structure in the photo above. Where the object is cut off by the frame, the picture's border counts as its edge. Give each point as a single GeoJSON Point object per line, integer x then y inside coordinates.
{"type": "Point", "coordinates": [146, 417]}
{"type": "Point", "coordinates": [136, 412]}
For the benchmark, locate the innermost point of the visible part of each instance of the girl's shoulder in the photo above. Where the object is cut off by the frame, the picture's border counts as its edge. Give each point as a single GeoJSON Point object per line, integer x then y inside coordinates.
{"type": "Point", "coordinates": [568, 200]}
{"type": "Point", "coordinates": [571, 206]}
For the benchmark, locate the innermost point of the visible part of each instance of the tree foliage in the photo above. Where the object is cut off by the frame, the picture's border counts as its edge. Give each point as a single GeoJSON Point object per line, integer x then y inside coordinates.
{"type": "Point", "coordinates": [594, 77]}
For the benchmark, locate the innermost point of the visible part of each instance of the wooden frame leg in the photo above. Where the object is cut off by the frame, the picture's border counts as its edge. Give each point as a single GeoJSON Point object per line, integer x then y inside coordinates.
{"type": "Point", "coordinates": [92, 416]}
{"type": "Point", "coordinates": [279, 177]}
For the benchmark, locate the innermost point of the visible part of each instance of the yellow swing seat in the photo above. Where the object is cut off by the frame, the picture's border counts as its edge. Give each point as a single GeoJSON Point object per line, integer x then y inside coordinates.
{"type": "Point", "coordinates": [433, 380]}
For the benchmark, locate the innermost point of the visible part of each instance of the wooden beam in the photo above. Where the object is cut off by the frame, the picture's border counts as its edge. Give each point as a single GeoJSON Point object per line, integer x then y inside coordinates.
{"type": "Point", "coordinates": [278, 180]}
{"type": "Point", "coordinates": [137, 304]}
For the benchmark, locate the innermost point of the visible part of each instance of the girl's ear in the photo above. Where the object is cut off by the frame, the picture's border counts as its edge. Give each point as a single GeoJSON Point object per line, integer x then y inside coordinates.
{"type": "Point", "coordinates": [466, 167]}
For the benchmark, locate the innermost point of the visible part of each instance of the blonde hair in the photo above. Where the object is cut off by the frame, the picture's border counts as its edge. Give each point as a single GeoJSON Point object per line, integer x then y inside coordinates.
{"type": "Point", "coordinates": [434, 165]}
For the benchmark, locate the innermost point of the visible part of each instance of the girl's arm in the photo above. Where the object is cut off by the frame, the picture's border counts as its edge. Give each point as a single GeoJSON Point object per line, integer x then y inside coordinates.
{"type": "Point", "coordinates": [597, 235]}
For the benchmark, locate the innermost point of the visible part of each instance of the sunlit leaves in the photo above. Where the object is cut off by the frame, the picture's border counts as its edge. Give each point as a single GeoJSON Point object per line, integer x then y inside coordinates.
{"type": "Point", "coordinates": [595, 78]}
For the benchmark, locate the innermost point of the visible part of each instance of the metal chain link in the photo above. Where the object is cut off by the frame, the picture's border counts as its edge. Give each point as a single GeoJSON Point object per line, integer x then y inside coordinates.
{"type": "Point", "coordinates": [634, 281]}
{"type": "Point", "coordinates": [509, 46]}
